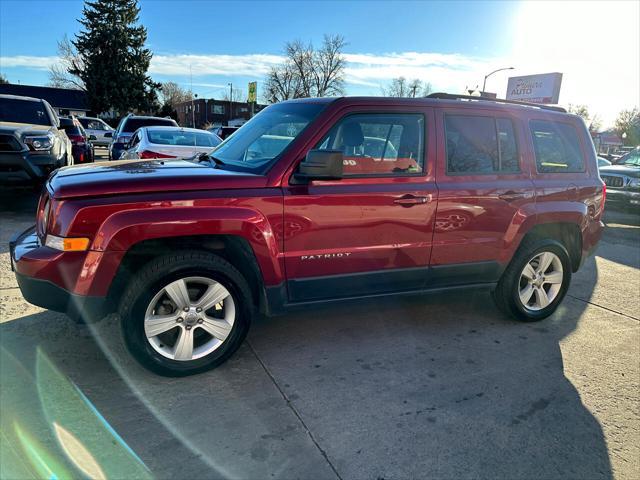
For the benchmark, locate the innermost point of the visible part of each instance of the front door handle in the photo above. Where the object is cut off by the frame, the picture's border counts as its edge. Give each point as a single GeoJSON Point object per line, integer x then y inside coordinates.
{"type": "Point", "coordinates": [511, 196]}
{"type": "Point", "coordinates": [411, 200]}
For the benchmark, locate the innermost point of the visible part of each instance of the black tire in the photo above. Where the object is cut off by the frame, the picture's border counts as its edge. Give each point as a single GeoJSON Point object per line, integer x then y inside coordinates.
{"type": "Point", "coordinates": [162, 271]}
{"type": "Point", "coordinates": [506, 294]}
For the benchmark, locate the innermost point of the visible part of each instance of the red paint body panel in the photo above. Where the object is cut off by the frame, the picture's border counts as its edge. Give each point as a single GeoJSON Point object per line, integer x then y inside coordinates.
{"type": "Point", "coordinates": [359, 216]}
{"type": "Point", "coordinates": [355, 220]}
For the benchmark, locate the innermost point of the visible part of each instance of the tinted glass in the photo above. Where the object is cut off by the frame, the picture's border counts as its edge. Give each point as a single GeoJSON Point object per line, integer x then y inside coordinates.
{"type": "Point", "coordinates": [180, 138]}
{"type": "Point", "coordinates": [23, 111]}
{"type": "Point", "coordinates": [556, 147]}
{"type": "Point", "coordinates": [632, 159]}
{"type": "Point", "coordinates": [480, 145]}
{"type": "Point", "coordinates": [378, 144]}
{"type": "Point", "coordinates": [508, 148]}
{"type": "Point", "coordinates": [132, 124]}
{"type": "Point", "coordinates": [263, 138]}
{"type": "Point", "coordinates": [72, 130]}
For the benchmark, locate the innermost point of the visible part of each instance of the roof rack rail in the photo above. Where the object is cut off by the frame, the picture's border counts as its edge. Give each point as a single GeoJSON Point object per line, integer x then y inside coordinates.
{"type": "Point", "coordinates": [453, 96]}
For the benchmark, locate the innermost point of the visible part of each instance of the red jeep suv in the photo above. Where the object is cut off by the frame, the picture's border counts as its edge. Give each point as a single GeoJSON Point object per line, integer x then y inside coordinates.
{"type": "Point", "coordinates": [316, 200]}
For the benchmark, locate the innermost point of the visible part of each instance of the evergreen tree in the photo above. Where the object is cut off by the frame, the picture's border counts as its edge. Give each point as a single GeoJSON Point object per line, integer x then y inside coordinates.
{"type": "Point", "coordinates": [114, 59]}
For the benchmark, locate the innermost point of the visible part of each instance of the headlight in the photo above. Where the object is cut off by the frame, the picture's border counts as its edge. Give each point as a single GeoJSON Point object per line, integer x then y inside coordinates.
{"type": "Point", "coordinates": [40, 143]}
{"type": "Point", "coordinates": [634, 182]}
{"type": "Point", "coordinates": [67, 244]}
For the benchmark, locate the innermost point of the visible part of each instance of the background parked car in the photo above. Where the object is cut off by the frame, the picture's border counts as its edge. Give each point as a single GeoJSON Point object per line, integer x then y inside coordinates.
{"type": "Point", "coordinates": [223, 132]}
{"type": "Point", "coordinates": [98, 128]}
{"type": "Point", "coordinates": [127, 126]}
{"type": "Point", "coordinates": [169, 142]}
{"type": "Point", "coordinates": [81, 146]}
{"type": "Point", "coordinates": [621, 160]}
{"type": "Point", "coordinates": [31, 144]}
{"type": "Point", "coordinates": [623, 180]}
{"type": "Point", "coordinates": [603, 162]}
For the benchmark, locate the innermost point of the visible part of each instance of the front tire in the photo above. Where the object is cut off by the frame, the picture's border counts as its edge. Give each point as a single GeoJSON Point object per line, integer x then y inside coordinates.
{"type": "Point", "coordinates": [535, 281]}
{"type": "Point", "coordinates": [185, 313]}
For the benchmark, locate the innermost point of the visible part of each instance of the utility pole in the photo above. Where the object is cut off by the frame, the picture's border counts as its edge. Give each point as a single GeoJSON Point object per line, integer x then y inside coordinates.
{"type": "Point", "coordinates": [230, 101]}
{"type": "Point", "coordinates": [193, 119]}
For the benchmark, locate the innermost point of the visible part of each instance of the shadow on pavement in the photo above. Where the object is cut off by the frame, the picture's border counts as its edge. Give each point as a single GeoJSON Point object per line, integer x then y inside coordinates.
{"type": "Point", "coordinates": [407, 387]}
{"type": "Point", "coordinates": [439, 386]}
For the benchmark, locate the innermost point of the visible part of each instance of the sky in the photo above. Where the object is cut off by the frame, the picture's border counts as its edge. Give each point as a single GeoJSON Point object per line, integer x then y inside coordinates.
{"type": "Point", "coordinates": [206, 45]}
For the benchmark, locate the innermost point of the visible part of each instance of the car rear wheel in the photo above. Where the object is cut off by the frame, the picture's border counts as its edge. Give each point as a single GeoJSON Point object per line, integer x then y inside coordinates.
{"type": "Point", "coordinates": [536, 280]}
{"type": "Point", "coordinates": [185, 313]}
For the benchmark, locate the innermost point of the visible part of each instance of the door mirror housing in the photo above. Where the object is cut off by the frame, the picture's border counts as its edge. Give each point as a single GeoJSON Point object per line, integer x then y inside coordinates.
{"type": "Point", "coordinates": [320, 165]}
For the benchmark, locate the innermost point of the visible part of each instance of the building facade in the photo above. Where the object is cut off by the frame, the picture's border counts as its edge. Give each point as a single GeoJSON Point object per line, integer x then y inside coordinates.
{"type": "Point", "coordinates": [65, 101]}
{"type": "Point", "coordinates": [206, 111]}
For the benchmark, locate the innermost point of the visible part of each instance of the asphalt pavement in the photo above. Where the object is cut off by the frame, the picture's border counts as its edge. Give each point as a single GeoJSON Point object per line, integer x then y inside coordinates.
{"type": "Point", "coordinates": [439, 386]}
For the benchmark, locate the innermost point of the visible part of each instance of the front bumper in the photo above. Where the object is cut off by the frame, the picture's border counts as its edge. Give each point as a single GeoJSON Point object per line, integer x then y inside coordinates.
{"type": "Point", "coordinates": [25, 249]}
{"type": "Point", "coordinates": [622, 195]}
{"type": "Point", "coordinates": [26, 167]}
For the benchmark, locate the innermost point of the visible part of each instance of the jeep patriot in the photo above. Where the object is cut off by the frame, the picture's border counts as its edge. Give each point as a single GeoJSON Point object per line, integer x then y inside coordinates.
{"type": "Point", "coordinates": [318, 200]}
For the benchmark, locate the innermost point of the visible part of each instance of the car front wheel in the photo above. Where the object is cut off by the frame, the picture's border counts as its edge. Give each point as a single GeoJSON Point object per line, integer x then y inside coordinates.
{"type": "Point", "coordinates": [185, 313]}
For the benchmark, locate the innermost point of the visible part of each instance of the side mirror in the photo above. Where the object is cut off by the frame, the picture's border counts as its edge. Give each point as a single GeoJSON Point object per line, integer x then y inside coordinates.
{"type": "Point", "coordinates": [108, 135]}
{"type": "Point", "coordinates": [92, 137]}
{"type": "Point", "coordinates": [320, 165]}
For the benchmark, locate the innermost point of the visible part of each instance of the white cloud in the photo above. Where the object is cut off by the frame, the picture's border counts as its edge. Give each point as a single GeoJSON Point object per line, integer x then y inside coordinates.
{"type": "Point", "coordinates": [595, 46]}
{"type": "Point", "coordinates": [28, 61]}
{"type": "Point", "coordinates": [252, 65]}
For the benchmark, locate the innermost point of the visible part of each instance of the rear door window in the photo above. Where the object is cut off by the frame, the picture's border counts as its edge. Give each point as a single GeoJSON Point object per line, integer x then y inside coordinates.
{"type": "Point", "coordinates": [479, 145]}
{"type": "Point", "coordinates": [557, 147]}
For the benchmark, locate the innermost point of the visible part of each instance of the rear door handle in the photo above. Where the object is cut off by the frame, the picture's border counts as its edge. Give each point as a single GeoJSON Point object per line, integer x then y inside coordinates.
{"type": "Point", "coordinates": [511, 196]}
{"type": "Point", "coordinates": [411, 200]}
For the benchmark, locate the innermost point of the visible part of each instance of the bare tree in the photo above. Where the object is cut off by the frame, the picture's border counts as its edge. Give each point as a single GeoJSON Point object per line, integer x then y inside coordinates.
{"type": "Point", "coordinates": [628, 126]}
{"type": "Point", "coordinates": [3, 80]}
{"type": "Point", "coordinates": [308, 72]}
{"type": "Point", "coordinates": [593, 122]}
{"type": "Point", "coordinates": [238, 95]}
{"type": "Point", "coordinates": [400, 87]}
{"type": "Point", "coordinates": [70, 60]}
{"type": "Point", "coordinates": [172, 94]}
{"type": "Point", "coordinates": [282, 83]}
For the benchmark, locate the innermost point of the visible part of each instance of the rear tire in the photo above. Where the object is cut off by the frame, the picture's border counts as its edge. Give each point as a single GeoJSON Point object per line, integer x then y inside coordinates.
{"type": "Point", "coordinates": [535, 281]}
{"type": "Point", "coordinates": [161, 326]}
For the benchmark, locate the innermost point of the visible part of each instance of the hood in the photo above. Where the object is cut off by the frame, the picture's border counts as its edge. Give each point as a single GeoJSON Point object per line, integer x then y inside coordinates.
{"type": "Point", "coordinates": [20, 128]}
{"type": "Point", "coordinates": [629, 171]}
{"type": "Point", "coordinates": [145, 176]}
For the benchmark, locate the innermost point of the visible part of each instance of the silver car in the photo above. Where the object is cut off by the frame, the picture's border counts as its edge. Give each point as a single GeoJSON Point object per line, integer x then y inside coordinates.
{"type": "Point", "coordinates": [98, 128]}
{"type": "Point", "coordinates": [169, 142]}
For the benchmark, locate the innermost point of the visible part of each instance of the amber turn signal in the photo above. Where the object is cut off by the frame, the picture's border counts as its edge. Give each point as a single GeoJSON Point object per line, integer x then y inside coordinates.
{"type": "Point", "coordinates": [67, 244]}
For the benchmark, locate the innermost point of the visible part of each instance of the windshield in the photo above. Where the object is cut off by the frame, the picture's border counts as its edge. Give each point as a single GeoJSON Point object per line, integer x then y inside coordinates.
{"type": "Point", "coordinates": [23, 111]}
{"type": "Point", "coordinates": [261, 140]}
{"type": "Point", "coordinates": [134, 124]}
{"type": "Point", "coordinates": [633, 159]}
{"type": "Point", "coordinates": [182, 138]}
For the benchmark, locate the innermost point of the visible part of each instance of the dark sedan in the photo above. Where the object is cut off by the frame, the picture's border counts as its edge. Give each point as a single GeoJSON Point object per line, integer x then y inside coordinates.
{"type": "Point", "coordinates": [81, 146]}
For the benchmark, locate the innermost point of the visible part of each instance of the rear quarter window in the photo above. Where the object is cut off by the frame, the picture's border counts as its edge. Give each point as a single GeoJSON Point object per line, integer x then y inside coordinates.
{"type": "Point", "coordinates": [557, 147]}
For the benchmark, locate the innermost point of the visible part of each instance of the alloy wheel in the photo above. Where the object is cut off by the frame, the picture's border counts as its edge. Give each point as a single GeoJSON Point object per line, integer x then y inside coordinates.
{"type": "Point", "coordinates": [189, 318]}
{"type": "Point", "coordinates": [540, 281]}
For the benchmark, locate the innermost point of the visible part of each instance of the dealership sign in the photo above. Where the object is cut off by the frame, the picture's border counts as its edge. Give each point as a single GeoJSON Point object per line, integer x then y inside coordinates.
{"type": "Point", "coordinates": [542, 88]}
